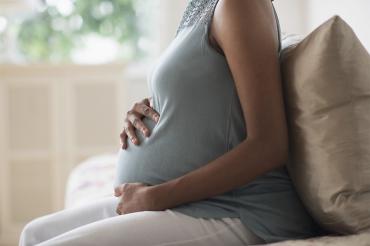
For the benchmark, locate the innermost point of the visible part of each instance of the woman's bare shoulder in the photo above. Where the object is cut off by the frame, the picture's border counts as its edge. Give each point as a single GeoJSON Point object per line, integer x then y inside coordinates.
{"type": "Point", "coordinates": [232, 15]}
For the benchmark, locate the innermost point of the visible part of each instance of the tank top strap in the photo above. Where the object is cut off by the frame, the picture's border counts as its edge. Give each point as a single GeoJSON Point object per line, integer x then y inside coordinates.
{"type": "Point", "coordinates": [196, 12]}
{"type": "Point", "coordinates": [202, 11]}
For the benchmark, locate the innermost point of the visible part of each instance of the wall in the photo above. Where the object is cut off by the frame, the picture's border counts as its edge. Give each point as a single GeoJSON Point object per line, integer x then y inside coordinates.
{"type": "Point", "coordinates": [355, 13]}
{"type": "Point", "coordinates": [169, 19]}
{"type": "Point", "coordinates": [302, 17]}
{"type": "Point", "coordinates": [51, 118]}
{"type": "Point", "coordinates": [292, 15]}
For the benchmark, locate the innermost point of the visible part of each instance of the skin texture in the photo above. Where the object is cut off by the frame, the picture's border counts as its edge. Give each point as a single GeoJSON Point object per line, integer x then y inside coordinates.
{"type": "Point", "coordinates": [246, 33]}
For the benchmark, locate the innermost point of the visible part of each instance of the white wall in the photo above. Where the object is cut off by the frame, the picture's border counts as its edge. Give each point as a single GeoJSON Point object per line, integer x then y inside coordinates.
{"type": "Point", "coordinates": [303, 16]}
{"type": "Point", "coordinates": [292, 15]}
{"type": "Point", "coordinates": [51, 118]}
{"type": "Point", "coordinates": [169, 18]}
{"type": "Point", "coordinates": [354, 12]}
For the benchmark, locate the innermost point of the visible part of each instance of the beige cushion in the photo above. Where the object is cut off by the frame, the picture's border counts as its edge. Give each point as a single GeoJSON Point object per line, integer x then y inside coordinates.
{"type": "Point", "coordinates": [326, 80]}
{"type": "Point", "coordinates": [361, 239]}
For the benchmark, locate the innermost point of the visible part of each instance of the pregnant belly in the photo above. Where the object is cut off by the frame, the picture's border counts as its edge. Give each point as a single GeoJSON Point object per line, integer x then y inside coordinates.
{"type": "Point", "coordinates": [169, 152]}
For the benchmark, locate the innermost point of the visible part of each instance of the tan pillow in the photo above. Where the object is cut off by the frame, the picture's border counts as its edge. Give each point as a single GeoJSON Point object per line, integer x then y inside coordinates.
{"type": "Point", "coordinates": [326, 80]}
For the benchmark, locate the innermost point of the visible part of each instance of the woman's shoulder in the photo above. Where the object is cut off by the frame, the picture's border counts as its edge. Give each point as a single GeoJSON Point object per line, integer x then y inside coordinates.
{"type": "Point", "coordinates": [238, 19]}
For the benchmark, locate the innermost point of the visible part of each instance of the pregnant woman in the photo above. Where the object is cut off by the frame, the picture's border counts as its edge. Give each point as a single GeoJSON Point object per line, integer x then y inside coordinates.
{"type": "Point", "coordinates": [204, 163]}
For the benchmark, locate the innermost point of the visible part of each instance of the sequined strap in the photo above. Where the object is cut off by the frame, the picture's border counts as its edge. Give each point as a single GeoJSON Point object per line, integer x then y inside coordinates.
{"type": "Point", "coordinates": [196, 11]}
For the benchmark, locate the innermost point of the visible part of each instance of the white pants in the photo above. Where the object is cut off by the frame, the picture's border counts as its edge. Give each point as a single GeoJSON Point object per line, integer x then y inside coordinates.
{"type": "Point", "coordinates": [98, 224]}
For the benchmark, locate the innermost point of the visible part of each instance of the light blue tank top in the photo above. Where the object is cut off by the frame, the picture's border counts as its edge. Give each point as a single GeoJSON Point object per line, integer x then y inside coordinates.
{"type": "Point", "coordinates": [201, 119]}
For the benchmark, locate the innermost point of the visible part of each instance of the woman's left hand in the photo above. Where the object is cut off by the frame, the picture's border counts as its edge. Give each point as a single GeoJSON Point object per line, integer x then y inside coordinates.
{"type": "Point", "coordinates": [136, 197]}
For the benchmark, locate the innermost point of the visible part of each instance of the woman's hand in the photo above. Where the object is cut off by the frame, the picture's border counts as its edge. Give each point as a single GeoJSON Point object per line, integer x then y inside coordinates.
{"type": "Point", "coordinates": [136, 197]}
{"type": "Point", "coordinates": [134, 120]}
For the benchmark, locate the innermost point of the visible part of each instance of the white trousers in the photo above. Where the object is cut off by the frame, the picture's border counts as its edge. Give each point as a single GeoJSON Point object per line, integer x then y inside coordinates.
{"type": "Point", "coordinates": [98, 224]}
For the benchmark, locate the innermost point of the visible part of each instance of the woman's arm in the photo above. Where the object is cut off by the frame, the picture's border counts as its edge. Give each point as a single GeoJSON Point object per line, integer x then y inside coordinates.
{"type": "Point", "coordinates": [246, 32]}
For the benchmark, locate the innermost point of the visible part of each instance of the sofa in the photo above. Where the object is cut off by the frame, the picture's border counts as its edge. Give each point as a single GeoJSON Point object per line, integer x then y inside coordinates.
{"type": "Point", "coordinates": [92, 179]}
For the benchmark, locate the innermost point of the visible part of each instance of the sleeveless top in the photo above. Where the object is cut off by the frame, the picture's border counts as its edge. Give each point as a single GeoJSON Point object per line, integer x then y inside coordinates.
{"type": "Point", "coordinates": [201, 119]}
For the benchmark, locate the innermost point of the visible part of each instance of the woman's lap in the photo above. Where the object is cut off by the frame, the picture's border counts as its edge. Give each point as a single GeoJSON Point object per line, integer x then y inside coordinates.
{"type": "Point", "coordinates": [98, 224]}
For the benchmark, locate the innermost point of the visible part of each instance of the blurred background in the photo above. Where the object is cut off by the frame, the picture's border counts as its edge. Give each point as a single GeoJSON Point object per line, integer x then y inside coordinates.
{"type": "Point", "coordinates": [69, 71]}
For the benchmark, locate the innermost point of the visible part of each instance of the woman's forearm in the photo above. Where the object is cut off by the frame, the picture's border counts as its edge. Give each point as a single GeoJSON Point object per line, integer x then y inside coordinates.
{"type": "Point", "coordinates": [235, 168]}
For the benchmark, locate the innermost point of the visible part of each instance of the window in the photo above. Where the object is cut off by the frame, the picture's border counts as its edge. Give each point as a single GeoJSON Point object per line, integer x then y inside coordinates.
{"type": "Point", "coordinates": [80, 31]}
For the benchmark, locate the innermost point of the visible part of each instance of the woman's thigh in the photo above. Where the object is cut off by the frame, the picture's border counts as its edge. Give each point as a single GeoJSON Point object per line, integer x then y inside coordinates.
{"type": "Point", "coordinates": [158, 228]}
{"type": "Point", "coordinates": [51, 225]}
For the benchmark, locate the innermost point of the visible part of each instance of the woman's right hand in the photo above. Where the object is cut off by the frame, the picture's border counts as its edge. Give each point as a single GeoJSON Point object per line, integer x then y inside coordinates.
{"type": "Point", "coordinates": [134, 120]}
